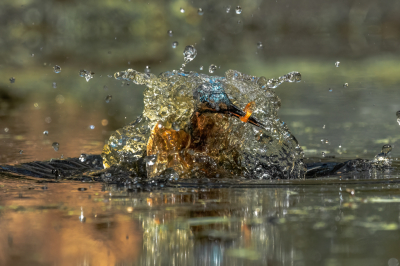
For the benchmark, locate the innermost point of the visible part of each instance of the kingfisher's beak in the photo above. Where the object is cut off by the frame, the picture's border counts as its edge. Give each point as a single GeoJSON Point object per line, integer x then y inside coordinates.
{"type": "Point", "coordinates": [235, 111]}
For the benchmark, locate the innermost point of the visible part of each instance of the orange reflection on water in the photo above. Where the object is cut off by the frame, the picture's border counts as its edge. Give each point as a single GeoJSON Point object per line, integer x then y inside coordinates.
{"type": "Point", "coordinates": [64, 226]}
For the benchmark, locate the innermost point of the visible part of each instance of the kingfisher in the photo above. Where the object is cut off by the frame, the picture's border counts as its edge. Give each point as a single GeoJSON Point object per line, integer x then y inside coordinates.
{"type": "Point", "coordinates": [213, 99]}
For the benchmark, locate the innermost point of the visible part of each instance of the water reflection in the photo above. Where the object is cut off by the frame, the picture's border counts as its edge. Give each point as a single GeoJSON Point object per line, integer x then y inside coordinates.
{"type": "Point", "coordinates": [102, 225]}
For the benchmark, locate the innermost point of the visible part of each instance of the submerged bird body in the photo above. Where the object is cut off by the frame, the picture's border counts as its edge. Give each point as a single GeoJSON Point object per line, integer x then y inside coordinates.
{"type": "Point", "coordinates": [194, 125]}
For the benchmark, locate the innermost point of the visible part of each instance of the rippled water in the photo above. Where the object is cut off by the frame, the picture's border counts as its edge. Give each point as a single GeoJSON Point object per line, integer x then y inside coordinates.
{"type": "Point", "coordinates": [57, 60]}
{"type": "Point", "coordinates": [73, 223]}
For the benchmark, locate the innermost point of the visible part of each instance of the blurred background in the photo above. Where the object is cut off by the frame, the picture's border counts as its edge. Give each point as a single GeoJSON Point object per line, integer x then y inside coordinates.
{"type": "Point", "coordinates": [268, 38]}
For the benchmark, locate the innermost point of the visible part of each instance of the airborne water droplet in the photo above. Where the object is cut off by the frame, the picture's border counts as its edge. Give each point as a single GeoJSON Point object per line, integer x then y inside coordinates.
{"type": "Point", "coordinates": [228, 9]}
{"type": "Point", "coordinates": [201, 67]}
{"type": "Point", "coordinates": [86, 74]}
{"type": "Point", "coordinates": [259, 45]}
{"type": "Point", "coordinates": [182, 10]}
{"type": "Point", "coordinates": [398, 117]}
{"type": "Point", "coordinates": [57, 69]}
{"type": "Point", "coordinates": [346, 85]}
{"type": "Point", "coordinates": [147, 69]}
{"type": "Point", "coordinates": [337, 64]}
{"type": "Point", "coordinates": [189, 53]}
{"type": "Point", "coordinates": [54, 85]}
{"type": "Point", "coordinates": [56, 146]}
{"type": "Point", "coordinates": [91, 126]}
{"type": "Point", "coordinates": [45, 132]}
{"type": "Point", "coordinates": [238, 10]}
{"type": "Point", "coordinates": [330, 90]}
{"type": "Point", "coordinates": [386, 149]}
{"type": "Point", "coordinates": [323, 154]}
{"type": "Point", "coordinates": [170, 33]}
{"type": "Point", "coordinates": [212, 68]}
{"type": "Point", "coordinates": [174, 44]}
{"type": "Point", "coordinates": [200, 11]}
{"type": "Point", "coordinates": [108, 98]}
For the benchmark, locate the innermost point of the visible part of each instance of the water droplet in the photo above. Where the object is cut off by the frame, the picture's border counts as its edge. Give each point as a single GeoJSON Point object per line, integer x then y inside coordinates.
{"type": "Point", "coordinates": [57, 69]}
{"type": "Point", "coordinates": [6, 129]}
{"type": "Point", "coordinates": [21, 151]}
{"type": "Point", "coordinates": [189, 53]}
{"type": "Point", "coordinates": [174, 44]}
{"type": "Point", "coordinates": [346, 85]}
{"type": "Point", "coordinates": [86, 74]}
{"type": "Point", "coordinates": [340, 146]}
{"type": "Point", "coordinates": [201, 67]}
{"type": "Point", "coordinates": [337, 64]}
{"type": "Point", "coordinates": [330, 90]}
{"type": "Point", "coordinates": [200, 11]}
{"type": "Point", "coordinates": [147, 69]}
{"type": "Point", "coordinates": [326, 141]}
{"type": "Point", "coordinates": [259, 45]}
{"type": "Point", "coordinates": [82, 158]}
{"type": "Point", "coordinates": [387, 148]}
{"type": "Point", "coordinates": [323, 127]}
{"type": "Point", "coordinates": [82, 218]}
{"type": "Point", "coordinates": [170, 33]}
{"type": "Point", "coordinates": [56, 146]}
{"type": "Point", "coordinates": [12, 80]}
{"type": "Point", "coordinates": [45, 132]}
{"type": "Point", "coordinates": [182, 10]}
{"type": "Point", "coordinates": [228, 9]}
{"type": "Point", "coordinates": [398, 117]}
{"type": "Point", "coordinates": [32, 55]}
{"type": "Point", "coordinates": [60, 99]}
{"type": "Point", "coordinates": [323, 154]}
{"type": "Point", "coordinates": [150, 160]}
{"type": "Point", "coordinates": [238, 10]}
{"type": "Point", "coordinates": [212, 68]}
{"type": "Point", "coordinates": [393, 262]}
{"type": "Point", "coordinates": [54, 85]}
{"type": "Point", "coordinates": [91, 126]}
{"type": "Point", "coordinates": [108, 98]}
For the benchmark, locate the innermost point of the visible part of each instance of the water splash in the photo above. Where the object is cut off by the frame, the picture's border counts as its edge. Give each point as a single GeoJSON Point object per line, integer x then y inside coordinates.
{"type": "Point", "coordinates": [201, 125]}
